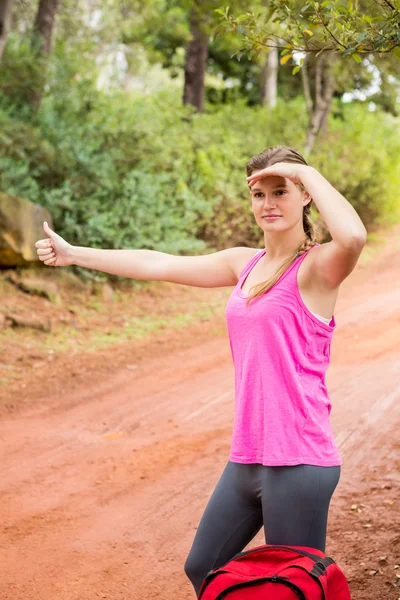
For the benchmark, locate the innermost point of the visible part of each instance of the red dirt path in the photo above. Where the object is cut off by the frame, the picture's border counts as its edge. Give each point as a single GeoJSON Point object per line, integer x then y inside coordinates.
{"type": "Point", "coordinates": [108, 460]}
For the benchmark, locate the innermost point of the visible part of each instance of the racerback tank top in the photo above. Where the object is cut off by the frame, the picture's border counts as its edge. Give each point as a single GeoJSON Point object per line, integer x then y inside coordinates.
{"type": "Point", "coordinates": [281, 351]}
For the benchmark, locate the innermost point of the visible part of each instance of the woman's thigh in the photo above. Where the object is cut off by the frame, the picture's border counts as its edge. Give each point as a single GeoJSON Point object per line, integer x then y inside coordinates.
{"type": "Point", "coordinates": [295, 503]}
{"type": "Point", "coordinates": [232, 517]}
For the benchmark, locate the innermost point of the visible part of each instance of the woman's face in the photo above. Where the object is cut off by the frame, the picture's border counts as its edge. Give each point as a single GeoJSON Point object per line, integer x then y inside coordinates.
{"type": "Point", "coordinates": [279, 196]}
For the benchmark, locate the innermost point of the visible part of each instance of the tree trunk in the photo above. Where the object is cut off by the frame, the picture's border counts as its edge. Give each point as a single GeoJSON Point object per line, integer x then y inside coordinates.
{"type": "Point", "coordinates": [306, 84]}
{"type": "Point", "coordinates": [42, 33]}
{"type": "Point", "coordinates": [324, 87]}
{"type": "Point", "coordinates": [196, 60]}
{"type": "Point", "coordinates": [269, 79]}
{"type": "Point", "coordinates": [5, 19]}
{"type": "Point", "coordinates": [44, 23]}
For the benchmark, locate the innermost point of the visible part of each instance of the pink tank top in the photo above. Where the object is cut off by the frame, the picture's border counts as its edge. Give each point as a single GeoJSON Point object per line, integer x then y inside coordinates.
{"type": "Point", "coordinates": [281, 352]}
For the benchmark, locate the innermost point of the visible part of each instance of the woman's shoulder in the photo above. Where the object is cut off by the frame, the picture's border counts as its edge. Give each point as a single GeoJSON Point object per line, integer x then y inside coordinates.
{"type": "Point", "coordinates": [241, 256]}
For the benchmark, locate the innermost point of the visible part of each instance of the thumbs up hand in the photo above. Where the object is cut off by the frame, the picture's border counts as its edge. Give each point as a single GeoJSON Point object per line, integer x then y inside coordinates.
{"type": "Point", "coordinates": [54, 251]}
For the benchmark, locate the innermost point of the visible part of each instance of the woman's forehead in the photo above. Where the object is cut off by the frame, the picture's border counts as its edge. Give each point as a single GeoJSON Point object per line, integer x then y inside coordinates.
{"type": "Point", "coordinates": [272, 182]}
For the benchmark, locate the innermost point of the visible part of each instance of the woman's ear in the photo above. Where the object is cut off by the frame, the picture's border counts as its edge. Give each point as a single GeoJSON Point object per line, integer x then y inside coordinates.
{"type": "Point", "coordinates": [307, 198]}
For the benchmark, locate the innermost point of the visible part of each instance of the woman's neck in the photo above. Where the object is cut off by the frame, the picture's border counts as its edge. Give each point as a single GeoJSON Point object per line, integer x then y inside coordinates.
{"type": "Point", "coordinates": [278, 249]}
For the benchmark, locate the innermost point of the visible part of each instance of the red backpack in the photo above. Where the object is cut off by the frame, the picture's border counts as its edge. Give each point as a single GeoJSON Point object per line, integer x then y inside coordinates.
{"type": "Point", "coordinates": [273, 572]}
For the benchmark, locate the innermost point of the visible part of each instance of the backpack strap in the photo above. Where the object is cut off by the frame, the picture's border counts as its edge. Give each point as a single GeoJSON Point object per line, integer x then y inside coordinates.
{"type": "Point", "coordinates": [321, 565]}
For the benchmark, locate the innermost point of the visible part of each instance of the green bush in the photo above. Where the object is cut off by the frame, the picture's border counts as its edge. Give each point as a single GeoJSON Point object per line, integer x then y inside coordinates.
{"type": "Point", "coordinates": [124, 171]}
{"type": "Point", "coordinates": [20, 75]}
{"type": "Point", "coordinates": [359, 156]}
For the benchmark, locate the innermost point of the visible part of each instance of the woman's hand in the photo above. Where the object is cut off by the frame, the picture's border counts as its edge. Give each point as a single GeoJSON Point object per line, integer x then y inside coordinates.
{"type": "Point", "coordinates": [54, 251]}
{"type": "Point", "coordinates": [291, 171]}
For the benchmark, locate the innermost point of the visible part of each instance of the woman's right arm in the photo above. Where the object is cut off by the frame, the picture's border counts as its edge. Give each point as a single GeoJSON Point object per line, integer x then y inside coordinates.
{"type": "Point", "coordinates": [218, 269]}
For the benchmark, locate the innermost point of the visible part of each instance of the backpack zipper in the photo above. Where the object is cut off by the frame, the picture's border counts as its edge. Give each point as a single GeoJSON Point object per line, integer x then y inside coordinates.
{"type": "Point", "coordinates": [275, 578]}
{"type": "Point", "coordinates": [315, 577]}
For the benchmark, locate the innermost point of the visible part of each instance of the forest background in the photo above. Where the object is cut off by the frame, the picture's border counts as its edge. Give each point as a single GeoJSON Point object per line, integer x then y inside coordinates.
{"type": "Point", "coordinates": [132, 122]}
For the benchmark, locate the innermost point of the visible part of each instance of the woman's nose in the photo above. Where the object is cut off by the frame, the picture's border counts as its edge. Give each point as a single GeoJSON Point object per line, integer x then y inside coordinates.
{"type": "Point", "coordinates": [269, 202]}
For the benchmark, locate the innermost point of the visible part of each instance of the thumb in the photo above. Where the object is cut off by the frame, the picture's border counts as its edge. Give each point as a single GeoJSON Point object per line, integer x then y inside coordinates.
{"type": "Point", "coordinates": [47, 229]}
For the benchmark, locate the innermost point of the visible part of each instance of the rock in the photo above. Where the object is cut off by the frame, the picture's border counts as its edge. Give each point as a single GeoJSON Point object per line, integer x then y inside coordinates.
{"type": "Point", "coordinates": [72, 280]}
{"type": "Point", "coordinates": [47, 289]}
{"type": "Point", "coordinates": [35, 285]}
{"type": "Point", "coordinates": [104, 290]}
{"type": "Point", "coordinates": [107, 292]}
{"type": "Point", "coordinates": [21, 225]}
{"type": "Point", "coordinates": [19, 321]}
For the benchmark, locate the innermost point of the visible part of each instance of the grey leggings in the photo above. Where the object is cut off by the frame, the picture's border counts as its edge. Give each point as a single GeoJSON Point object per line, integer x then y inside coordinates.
{"type": "Point", "coordinates": [290, 501]}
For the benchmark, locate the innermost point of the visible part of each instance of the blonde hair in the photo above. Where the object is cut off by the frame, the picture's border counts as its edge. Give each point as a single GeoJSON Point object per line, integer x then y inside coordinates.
{"type": "Point", "coordinates": [269, 157]}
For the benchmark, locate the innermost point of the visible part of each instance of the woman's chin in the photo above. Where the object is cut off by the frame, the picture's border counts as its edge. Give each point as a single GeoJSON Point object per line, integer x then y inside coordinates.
{"type": "Point", "coordinates": [272, 222]}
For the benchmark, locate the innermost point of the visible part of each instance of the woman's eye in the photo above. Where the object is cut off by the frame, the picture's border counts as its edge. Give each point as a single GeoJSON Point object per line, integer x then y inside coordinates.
{"type": "Point", "coordinates": [259, 194]}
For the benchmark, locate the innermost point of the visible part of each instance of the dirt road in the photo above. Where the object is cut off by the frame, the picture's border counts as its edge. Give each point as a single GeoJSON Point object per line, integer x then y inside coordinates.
{"type": "Point", "coordinates": [104, 478]}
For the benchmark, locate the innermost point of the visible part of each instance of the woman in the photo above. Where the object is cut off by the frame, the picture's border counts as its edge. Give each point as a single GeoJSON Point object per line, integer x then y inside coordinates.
{"type": "Point", "coordinates": [284, 464]}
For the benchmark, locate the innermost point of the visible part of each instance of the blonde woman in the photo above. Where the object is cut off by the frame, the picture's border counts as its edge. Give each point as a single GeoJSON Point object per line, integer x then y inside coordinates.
{"type": "Point", "coordinates": [284, 464]}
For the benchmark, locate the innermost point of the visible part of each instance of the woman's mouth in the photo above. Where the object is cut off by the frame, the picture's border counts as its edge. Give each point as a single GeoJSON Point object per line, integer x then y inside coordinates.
{"type": "Point", "coordinates": [272, 217]}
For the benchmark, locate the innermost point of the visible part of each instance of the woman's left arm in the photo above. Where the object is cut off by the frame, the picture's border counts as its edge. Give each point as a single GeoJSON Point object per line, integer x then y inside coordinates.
{"type": "Point", "coordinates": [335, 260]}
{"type": "Point", "coordinates": [343, 222]}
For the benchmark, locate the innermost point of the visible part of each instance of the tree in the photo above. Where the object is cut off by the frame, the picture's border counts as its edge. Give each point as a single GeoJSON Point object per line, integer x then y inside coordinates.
{"type": "Point", "coordinates": [44, 23]}
{"type": "Point", "coordinates": [322, 32]}
{"type": "Point", "coordinates": [42, 34]}
{"type": "Point", "coordinates": [196, 59]}
{"type": "Point", "coordinates": [165, 28]}
{"type": "Point", "coordinates": [269, 79]}
{"type": "Point", "coordinates": [5, 19]}
{"type": "Point", "coordinates": [319, 101]}
{"type": "Point", "coordinates": [202, 20]}
{"type": "Point", "coordinates": [345, 28]}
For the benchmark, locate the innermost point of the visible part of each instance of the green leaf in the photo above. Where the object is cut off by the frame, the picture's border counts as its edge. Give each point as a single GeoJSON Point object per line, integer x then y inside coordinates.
{"type": "Point", "coordinates": [296, 70]}
{"type": "Point", "coordinates": [357, 57]}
